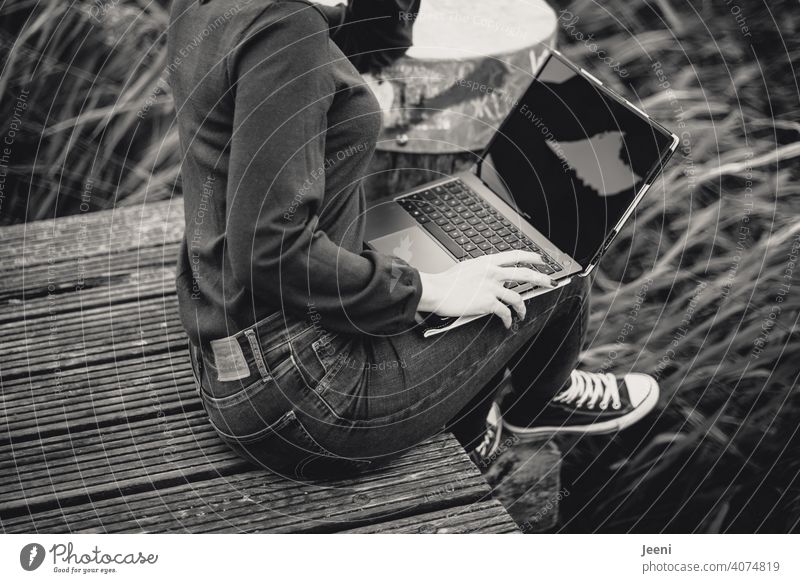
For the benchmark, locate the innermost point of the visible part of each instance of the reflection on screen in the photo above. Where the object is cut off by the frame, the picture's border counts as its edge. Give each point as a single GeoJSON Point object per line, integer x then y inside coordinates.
{"type": "Point", "coordinates": [571, 160]}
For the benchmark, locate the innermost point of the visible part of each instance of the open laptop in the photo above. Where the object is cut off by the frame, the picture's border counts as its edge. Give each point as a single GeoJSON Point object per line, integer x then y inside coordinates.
{"type": "Point", "coordinates": [562, 174]}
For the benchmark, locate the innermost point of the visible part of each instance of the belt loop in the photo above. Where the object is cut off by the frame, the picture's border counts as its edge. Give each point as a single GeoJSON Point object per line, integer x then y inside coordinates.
{"type": "Point", "coordinates": [196, 360]}
{"type": "Point", "coordinates": [255, 347]}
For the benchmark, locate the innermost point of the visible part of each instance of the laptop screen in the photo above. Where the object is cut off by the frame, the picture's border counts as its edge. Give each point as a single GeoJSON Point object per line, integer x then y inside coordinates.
{"type": "Point", "coordinates": [571, 159]}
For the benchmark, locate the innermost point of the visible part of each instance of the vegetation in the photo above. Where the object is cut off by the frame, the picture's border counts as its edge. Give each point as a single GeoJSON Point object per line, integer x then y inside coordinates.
{"type": "Point", "coordinates": [702, 289]}
{"type": "Point", "coordinates": [96, 131]}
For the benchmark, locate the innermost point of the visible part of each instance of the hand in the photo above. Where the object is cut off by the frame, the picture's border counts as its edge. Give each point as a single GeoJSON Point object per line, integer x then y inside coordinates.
{"type": "Point", "coordinates": [475, 287]}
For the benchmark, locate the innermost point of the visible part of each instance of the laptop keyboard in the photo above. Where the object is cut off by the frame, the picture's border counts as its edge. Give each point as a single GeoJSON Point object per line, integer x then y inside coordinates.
{"type": "Point", "coordinates": [470, 227]}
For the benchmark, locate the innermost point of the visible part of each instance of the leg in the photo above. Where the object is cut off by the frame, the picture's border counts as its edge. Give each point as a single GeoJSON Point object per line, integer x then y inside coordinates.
{"type": "Point", "coordinates": [469, 424]}
{"type": "Point", "coordinates": [380, 409]}
{"type": "Point", "coordinates": [319, 404]}
{"type": "Point", "coordinates": [542, 368]}
{"type": "Point", "coordinates": [316, 403]}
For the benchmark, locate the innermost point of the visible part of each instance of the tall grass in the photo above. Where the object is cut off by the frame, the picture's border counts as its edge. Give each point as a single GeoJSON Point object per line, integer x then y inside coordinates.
{"type": "Point", "coordinates": [702, 291]}
{"type": "Point", "coordinates": [690, 293]}
{"type": "Point", "coordinates": [87, 139]}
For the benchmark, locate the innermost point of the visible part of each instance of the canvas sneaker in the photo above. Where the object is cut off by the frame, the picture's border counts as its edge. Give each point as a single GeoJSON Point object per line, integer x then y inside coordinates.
{"type": "Point", "coordinates": [486, 451]}
{"type": "Point", "coordinates": [594, 403]}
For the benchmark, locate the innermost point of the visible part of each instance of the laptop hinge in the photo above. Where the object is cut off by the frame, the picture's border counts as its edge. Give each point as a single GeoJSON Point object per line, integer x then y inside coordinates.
{"type": "Point", "coordinates": [476, 167]}
{"type": "Point", "coordinates": [476, 170]}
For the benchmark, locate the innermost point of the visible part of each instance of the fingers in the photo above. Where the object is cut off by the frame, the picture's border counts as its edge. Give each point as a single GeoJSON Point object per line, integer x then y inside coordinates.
{"type": "Point", "coordinates": [503, 312]}
{"type": "Point", "coordinates": [527, 275]}
{"type": "Point", "coordinates": [513, 299]}
{"type": "Point", "coordinates": [516, 256]}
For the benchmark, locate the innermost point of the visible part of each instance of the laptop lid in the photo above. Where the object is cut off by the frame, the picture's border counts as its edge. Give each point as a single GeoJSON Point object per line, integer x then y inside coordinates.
{"type": "Point", "coordinates": [574, 159]}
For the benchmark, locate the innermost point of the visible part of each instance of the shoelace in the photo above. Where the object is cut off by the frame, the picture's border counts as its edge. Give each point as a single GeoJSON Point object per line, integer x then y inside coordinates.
{"type": "Point", "coordinates": [484, 448]}
{"type": "Point", "coordinates": [591, 387]}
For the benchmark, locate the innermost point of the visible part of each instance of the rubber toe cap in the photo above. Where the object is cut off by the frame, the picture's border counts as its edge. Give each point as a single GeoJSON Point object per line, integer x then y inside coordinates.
{"type": "Point", "coordinates": [642, 389]}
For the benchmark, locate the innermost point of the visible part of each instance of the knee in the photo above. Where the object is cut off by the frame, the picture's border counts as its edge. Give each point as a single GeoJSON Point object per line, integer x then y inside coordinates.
{"type": "Point", "coordinates": [580, 286]}
{"type": "Point", "coordinates": [577, 292]}
{"type": "Point", "coordinates": [572, 298]}
{"type": "Point", "coordinates": [581, 296]}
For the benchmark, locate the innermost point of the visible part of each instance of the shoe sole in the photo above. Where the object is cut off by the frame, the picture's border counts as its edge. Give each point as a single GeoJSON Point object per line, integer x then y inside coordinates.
{"type": "Point", "coordinates": [498, 420]}
{"type": "Point", "coordinates": [601, 428]}
{"type": "Point", "coordinates": [496, 417]}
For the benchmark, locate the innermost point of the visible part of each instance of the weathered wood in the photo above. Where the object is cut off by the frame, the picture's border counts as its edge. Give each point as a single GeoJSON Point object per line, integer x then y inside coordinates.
{"type": "Point", "coordinates": [67, 277]}
{"type": "Point", "coordinates": [104, 462]}
{"type": "Point", "coordinates": [35, 332]}
{"type": "Point", "coordinates": [143, 284]}
{"type": "Point", "coordinates": [251, 500]}
{"type": "Point", "coordinates": [103, 430]}
{"type": "Point", "coordinates": [61, 331]}
{"type": "Point", "coordinates": [481, 517]}
{"type": "Point", "coordinates": [121, 228]}
{"type": "Point", "coordinates": [62, 342]}
{"type": "Point", "coordinates": [74, 254]}
{"type": "Point", "coordinates": [104, 394]}
{"type": "Point", "coordinates": [136, 456]}
{"type": "Point", "coordinates": [525, 477]}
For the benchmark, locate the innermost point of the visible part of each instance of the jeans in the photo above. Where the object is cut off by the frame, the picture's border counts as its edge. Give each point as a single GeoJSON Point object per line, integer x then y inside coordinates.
{"type": "Point", "coordinates": [320, 404]}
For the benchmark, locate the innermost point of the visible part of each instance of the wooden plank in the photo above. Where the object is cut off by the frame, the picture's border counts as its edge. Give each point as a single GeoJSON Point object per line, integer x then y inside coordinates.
{"type": "Point", "coordinates": [103, 242]}
{"type": "Point", "coordinates": [525, 478]}
{"type": "Point", "coordinates": [56, 332]}
{"type": "Point", "coordinates": [246, 501]}
{"type": "Point", "coordinates": [35, 332]}
{"type": "Point", "coordinates": [67, 277]}
{"type": "Point", "coordinates": [102, 427]}
{"type": "Point", "coordinates": [58, 256]}
{"type": "Point", "coordinates": [95, 233]}
{"type": "Point", "coordinates": [486, 517]}
{"type": "Point", "coordinates": [142, 284]}
{"type": "Point", "coordinates": [47, 345]}
{"type": "Point", "coordinates": [103, 462]}
{"type": "Point", "coordinates": [114, 392]}
{"type": "Point", "coordinates": [114, 455]}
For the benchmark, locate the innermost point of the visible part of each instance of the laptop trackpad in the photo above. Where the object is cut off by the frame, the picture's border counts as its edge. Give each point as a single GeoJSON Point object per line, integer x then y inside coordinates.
{"type": "Point", "coordinates": [417, 248]}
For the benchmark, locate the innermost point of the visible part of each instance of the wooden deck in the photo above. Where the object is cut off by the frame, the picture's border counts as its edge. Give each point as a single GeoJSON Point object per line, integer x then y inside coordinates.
{"type": "Point", "coordinates": [101, 429]}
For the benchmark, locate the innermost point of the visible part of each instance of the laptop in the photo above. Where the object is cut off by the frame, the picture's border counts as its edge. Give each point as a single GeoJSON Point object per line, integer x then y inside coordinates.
{"type": "Point", "coordinates": [562, 174]}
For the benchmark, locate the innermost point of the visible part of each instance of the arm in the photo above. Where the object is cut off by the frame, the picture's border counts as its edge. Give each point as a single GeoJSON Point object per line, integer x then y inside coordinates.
{"type": "Point", "coordinates": [372, 33]}
{"type": "Point", "coordinates": [283, 89]}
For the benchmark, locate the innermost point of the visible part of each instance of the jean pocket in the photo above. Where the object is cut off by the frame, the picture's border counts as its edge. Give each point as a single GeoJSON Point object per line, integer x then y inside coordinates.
{"type": "Point", "coordinates": [287, 448]}
{"type": "Point", "coordinates": [318, 356]}
{"type": "Point", "coordinates": [250, 412]}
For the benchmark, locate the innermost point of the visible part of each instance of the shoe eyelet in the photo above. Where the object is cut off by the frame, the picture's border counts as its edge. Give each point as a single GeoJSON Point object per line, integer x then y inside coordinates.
{"type": "Point", "coordinates": [617, 405]}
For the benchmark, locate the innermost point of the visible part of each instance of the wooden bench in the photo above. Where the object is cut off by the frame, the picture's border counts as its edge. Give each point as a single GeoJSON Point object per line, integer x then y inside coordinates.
{"type": "Point", "coordinates": [101, 429]}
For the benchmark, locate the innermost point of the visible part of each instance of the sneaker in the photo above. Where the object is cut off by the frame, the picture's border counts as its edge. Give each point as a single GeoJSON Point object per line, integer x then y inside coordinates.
{"type": "Point", "coordinates": [486, 451]}
{"type": "Point", "coordinates": [594, 403]}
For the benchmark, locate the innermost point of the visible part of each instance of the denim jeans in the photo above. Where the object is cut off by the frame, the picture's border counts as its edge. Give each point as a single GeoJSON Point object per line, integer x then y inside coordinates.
{"type": "Point", "coordinates": [321, 404]}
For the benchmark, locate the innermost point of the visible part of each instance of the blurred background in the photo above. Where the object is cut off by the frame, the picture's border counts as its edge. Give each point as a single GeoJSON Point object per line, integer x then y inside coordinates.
{"type": "Point", "coordinates": [703, 293]}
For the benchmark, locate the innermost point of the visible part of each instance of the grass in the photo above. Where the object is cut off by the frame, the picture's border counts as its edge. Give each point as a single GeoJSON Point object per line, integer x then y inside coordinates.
{"type": "Point", "coordinates": [87, 141]}
{"type": "Point", "coordinates": [702, 290]}
{"type": "Point", "coordinates": [690, 294]}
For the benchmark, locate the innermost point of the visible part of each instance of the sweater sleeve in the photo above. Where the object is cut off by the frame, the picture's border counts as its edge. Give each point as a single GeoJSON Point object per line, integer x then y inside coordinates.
{"type": "Point", "coordinates": [372, 33]}
{"type": "Point", "coordinates": [283, 87]}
